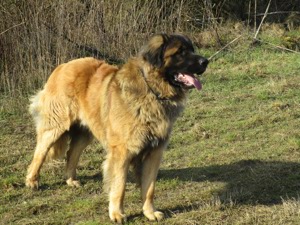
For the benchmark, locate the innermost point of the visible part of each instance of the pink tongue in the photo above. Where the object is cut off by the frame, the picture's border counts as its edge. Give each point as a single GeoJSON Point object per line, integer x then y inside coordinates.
{"type": "Point", "coordinates": [192, 80]}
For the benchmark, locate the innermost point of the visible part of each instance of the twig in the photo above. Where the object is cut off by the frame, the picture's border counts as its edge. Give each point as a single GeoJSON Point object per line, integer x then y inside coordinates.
{"type": "Point", "coordinates": [277, 46]}
{"type": "Point", "coordinates": [278, 12]}
{"type": "Point", "coordinates": [12, 28]}
{"type": "Point", "coordinates": [209, 12]}
{"type": "Point", "coordinates": [249, 14]}
{"type": "Point", "coordinates": [262, 20]}
{"type": "Point", "coordinates": [92, 50]}
{"type": "Point", "coordinates": [234, 40]}
{"type": "Point", "coordinates": [255, 8]}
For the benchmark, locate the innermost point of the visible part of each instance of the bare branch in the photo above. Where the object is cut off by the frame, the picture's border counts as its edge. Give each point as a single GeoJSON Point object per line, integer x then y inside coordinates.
{"type": "Point", "coordinates": [277, 46]}
{"type": "Point", "coordinates": [278, 12]}
{"type": "Point", "coordinates": [12, 28]}
{"type": "Point", "coordinates": [262, 20]}
{"type": "Point", "coordinates": [234, 40]}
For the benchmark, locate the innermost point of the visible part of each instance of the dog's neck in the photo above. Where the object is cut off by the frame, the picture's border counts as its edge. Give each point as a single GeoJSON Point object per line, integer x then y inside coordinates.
{"type": "Point", "coordinates": [156, 94]}
{"type": "Point", "coordinates": [156, 87]}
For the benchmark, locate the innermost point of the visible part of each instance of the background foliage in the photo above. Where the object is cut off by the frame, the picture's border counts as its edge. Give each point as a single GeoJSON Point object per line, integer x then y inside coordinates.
{"type": "Point", "coordinates": [36, 36]}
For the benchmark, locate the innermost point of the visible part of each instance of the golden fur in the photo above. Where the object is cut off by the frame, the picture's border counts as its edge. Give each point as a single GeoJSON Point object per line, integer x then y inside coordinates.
{"type": "Point", "coordinates": [88, 98]}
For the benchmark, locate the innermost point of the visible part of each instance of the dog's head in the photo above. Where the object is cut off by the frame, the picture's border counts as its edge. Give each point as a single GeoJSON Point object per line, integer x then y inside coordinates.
{"type": "Point", "coordinates": [175, 57]}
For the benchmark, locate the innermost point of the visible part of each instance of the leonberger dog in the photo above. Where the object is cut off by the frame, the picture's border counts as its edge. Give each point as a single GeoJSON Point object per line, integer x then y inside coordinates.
{"type": "Point", "coordinates": [130, 109]}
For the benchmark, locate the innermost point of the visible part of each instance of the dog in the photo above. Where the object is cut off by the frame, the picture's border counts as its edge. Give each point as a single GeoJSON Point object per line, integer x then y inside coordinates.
{"type": "Point", "coordinates": [130, 109]}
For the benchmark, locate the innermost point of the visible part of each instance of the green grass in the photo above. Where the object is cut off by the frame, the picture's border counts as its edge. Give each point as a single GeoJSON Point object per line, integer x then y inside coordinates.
{"type": "Point", "coordinates": [234, 157]}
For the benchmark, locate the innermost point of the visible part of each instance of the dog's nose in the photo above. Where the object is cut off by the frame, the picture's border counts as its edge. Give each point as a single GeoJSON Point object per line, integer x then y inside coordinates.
{"type": "Point", "coordinates": [203, 62]}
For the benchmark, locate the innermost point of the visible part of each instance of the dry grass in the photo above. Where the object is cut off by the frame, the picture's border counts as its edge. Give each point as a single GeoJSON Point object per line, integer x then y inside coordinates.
{"type": "Point", "coordinates": [233, 157]}
{"type": "Point", "coordinates": [36, 36]}
{"type": "Point", "coordinates": [50, 33]}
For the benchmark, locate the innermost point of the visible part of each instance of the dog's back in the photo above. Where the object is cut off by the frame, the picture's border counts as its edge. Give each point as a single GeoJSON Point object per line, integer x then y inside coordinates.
{"type": "Point", "coordinates": [61, 102]}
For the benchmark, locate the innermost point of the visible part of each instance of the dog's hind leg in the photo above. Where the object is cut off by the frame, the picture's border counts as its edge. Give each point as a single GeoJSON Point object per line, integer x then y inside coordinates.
{"type": "Point", "coordinates": [45, 140]}
{"type": "Point", "coordinates": [52, 119]}
{"type": "Point", "coordinates": [80, 138]}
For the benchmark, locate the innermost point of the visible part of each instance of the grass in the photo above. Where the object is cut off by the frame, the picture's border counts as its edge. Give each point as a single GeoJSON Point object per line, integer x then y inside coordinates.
{"type": "Point", "coordinates": [234, 157]}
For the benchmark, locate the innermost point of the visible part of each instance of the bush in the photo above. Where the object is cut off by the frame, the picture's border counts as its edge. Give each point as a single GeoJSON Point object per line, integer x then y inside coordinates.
{"type": "Point", "coordinates": [36, 36]}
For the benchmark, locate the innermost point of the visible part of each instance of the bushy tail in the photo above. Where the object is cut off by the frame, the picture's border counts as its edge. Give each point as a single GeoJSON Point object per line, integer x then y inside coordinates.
{"type": "Point", "coordinates": [60, 147]}
{"type": "Point", "coordinates": [34, 107]}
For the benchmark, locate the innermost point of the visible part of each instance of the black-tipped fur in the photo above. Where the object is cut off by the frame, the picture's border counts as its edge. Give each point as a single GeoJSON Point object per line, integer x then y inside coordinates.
{"type": "Point", "coordinates": [153, 52]}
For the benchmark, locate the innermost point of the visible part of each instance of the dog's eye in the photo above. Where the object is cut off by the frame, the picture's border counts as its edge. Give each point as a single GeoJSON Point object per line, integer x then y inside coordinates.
{"type": "Point", "coordinates": [181, 51]}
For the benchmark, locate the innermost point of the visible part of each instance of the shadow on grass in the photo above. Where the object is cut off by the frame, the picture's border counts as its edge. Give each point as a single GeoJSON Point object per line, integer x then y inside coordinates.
{"type": "Point", "coordinates": [248, 181]}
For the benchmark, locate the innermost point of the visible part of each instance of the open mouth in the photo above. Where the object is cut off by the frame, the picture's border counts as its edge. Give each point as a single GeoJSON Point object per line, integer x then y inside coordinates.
{"type": "Point", "coordinates": [189, 80]}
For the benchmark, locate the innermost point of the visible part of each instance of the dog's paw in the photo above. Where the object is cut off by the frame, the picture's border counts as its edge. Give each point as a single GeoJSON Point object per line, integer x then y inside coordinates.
{"type": "Point", "coordinates": [154, 216]}
{"type": "Point", "coordinates": [117, 217]}
{"type": "Point", "coordinates": [32, 183]}
{"type": "Point", "coordinates": [73, 183]}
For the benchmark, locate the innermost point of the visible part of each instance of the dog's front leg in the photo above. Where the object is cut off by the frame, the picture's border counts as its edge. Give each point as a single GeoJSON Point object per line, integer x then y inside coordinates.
{"type": "Point", "coordinates": [149, 173]}
{"type": "Point", "coordinates": [115, 170]}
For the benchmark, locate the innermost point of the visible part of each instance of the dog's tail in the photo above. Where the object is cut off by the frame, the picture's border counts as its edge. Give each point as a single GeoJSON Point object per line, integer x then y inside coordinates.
{"type": "Point", "coordinates": [34, 107]}
{"type": "Point", "coordinates": [60, 146]}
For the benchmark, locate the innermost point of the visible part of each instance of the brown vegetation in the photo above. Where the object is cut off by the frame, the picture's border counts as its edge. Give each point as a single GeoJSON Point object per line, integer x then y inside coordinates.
{"type": "Point", "coordinates": [36, 36]}
{"type": "Point", "coordinates": [234, 156]}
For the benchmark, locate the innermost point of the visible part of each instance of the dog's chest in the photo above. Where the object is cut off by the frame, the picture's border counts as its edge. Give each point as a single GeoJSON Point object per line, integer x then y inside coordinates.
{"type": "Point", "coordinates": [156, 122]}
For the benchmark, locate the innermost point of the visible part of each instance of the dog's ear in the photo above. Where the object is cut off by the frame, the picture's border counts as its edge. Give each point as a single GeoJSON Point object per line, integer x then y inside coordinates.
{"type": "Point", "coordinates": [153, 51]}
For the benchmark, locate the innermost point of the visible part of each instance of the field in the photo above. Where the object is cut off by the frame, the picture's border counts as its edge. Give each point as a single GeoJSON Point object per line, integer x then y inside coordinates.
{"type": "Point", "coordinates": [234, 157]}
